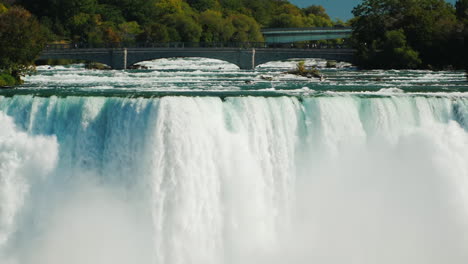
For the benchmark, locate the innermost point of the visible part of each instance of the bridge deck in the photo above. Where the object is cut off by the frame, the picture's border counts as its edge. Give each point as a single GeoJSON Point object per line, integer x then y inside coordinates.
{"type": "Point", "coordinates": [288, 35]}
{"type": "Point", "coordinates": [247, 57]}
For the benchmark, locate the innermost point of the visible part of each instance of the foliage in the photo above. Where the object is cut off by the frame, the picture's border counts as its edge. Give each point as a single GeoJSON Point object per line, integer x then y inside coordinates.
{"type": "Point", "coordinates": [154, 32]}
{"type": "Point", "coordinates": [129, 30]}
{"type": "Point", "coordinates": [462, 9]}
{"type": "Point", "coordinates": [462, 36]}
{"type": "Point", "coordinates": [406, 33]}
{"type": "Point", "coordinates": [245, 29]}
{"type": "Point", "coordinates": [187, 30]}
{"type": "Point", "coordinates": [96, 21]}
{"type": "Point", "coordinates": [316, 10]}
{"type": "Point", "coordinates": [7, 80]}
{"type": "Point", "coordinates": [397, 52]}
{"type": "Point", "coordinates": [21, 41]}
{"type": "Point", "coordinates": [3, 8]}
{"type": "Point", "coordinates": [302, 70]}
{"type": "Point", "coordinates": [203, 5]}
{"type": "Point", "coordinates": [215, 27]}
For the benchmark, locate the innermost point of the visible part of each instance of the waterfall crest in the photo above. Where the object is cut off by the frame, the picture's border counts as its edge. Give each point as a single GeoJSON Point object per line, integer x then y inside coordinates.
{"type": "Point", "coordinates": [328, 179]}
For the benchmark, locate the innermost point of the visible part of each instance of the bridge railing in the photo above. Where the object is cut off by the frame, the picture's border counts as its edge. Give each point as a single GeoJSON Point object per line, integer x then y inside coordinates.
{"type": "Point", "coordinates": [181, 45]}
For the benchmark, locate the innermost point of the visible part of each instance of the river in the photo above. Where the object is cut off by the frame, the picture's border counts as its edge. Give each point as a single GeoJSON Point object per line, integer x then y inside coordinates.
{"type": "Point", "coordinates": [196, 161]}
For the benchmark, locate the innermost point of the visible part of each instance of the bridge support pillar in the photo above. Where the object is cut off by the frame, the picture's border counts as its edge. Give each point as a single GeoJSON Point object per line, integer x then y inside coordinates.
{"type": "Point", "coordinates": [118, 59]}
{"type": "Point", "coordinates": [246, 59]}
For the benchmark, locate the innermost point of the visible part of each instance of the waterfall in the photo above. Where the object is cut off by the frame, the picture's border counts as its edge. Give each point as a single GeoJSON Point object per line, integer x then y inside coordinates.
{"type": "Point", "coordinates": [327, 179]}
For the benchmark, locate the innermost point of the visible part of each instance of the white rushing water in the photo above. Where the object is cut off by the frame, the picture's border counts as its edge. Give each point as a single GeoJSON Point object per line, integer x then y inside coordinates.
{"type": "Point", "coordinates": [332, 179]}
{"type": "Point", "coordinates": [198, 74]}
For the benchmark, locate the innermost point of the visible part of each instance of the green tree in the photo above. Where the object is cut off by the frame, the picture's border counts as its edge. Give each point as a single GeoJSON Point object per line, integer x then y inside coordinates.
{"type": "Point", "coordinates": [154, 32]}
{"type": "Point", "coordinates": [462, 37]}
{"type": "Point", "coordinates": [215, 27]}
{"type": "Point", "coordinates": [462, 9]}
{"type": "Point", "coordinates": [187, 28]}
{"type": "Point", "coordinates": [129, 31]}
{"type": "Point", "coordinates": [69, 8]}
{"type": "Point", "coordinates": [202, 5]}
{"type": "Point", "coordinates": [397, 52]}
{"type": "Point", "coordinates": [111, 13]}
{"type": "Point", "coordinates": [166, 7]}
{"type": "Point", "coordinates": [3, 8]}
{"type": "Point", "coordinates": [428, 27]}
{"type": "Point", "coordinates": [95, 21]}
{"type": "Point", "coordinates": [317, 21]}
{"type": "Point", "coordinates": [262, 10]}
{"type": "Point", "coordinates": [234, 5]}
{"type": "Point", "coordinates": [141, 11]}
{"type": "Point", "coordinates": [245, 29]}
{"type": "Point", "coordinates": [316, 10]}
{"type": "Point", "coordinates": [287, 21]}
{"type": "Point", "coordinates": [82, 25]}
{"type": "Point", "coordinates": [21, 41]}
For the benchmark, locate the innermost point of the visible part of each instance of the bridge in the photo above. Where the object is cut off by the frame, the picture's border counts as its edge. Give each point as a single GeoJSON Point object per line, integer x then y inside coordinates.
{"type": "Point", "coordinates": [288, 35]}
{"type": "Point", "coordinates": [245, 55]}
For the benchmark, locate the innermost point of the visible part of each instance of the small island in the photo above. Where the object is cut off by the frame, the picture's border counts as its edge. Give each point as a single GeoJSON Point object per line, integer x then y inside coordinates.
{"type": "Point", "coordinates": [302, 70]}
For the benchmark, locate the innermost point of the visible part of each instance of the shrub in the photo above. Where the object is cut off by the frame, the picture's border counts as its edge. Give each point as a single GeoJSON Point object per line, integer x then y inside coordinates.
{"type": "Point", "coordinates": [7, 80]}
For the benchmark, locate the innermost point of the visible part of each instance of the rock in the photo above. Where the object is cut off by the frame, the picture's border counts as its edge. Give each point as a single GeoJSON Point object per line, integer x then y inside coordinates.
{"type": "Point", "coordinates": [331, 64]}
{"type": "Point", "coordinates": [138, 67]}
{"type": "Point", "coordinates": [266, 77]}
{"type": "Point", "coordinates": [96, 66]}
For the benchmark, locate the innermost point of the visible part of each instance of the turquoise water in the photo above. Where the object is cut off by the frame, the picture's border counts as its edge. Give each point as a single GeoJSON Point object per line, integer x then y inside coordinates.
{"type": "Point", "coordinates": [188, 163]}
{"type": "Point", "coordinates": [203, 77]}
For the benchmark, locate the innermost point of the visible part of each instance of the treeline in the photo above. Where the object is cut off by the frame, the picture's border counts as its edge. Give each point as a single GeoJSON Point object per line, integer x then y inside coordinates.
{"type": "Point", "coordinates": [22, 38]}
{"type": "Point", "coordinates": [99, 21]}
{"type": "Point", "coordinates": [430, 34]}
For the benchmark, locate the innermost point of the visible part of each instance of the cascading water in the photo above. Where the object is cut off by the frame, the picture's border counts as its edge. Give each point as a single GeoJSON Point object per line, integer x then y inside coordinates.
{"type": "Point", "coordinates": [328, 179]}
{"type": "Point", "coordinates": [195, 161]}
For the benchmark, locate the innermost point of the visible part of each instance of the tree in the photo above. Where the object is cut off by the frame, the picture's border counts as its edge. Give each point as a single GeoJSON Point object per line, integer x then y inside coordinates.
{"type": "Point", "coordinates": [462, 9]}
{"type": "Point", "coordinates": [202, 5]}
{"type": "Point", "coordinates": [462, 37]}
{"type": "Point", "coordinates": [69, 8]}
{"type": "Point", "coordinates": [111, 13]}
{"type": "Point", "coordinates": [154, 32]}
{"type": "Point", "coordinates": [316, 10]}
{"type": "Point", "coordinates": [428, 27]}
{"type": "Point", "coordinates": [317, 21]}
{"type": "Point", "coordinates": [82, 25]}
{"type": "Point", "coordinates": [141, 11]}
{"type": "Point", "coordinates": [287, 21]}
{"type": "Point", "coordinates": [262, 10]}
{"type": "Point", "coordinates": [21, 41]}
{"type": "Point", "coordinates": [187, 28]}
{"type": "Point", "coordinates": [397, 52]}
{"type": "Point", "coordinates": [3, 8]}
{"type": "Point", "coordinates": [215, 27]}
{"type": "Point", "coordinates": [129, 30]}
{"type": "Point", "coordinates": [246, 29]}
{"type": "Point", "coordinates": [235, 5]}
{"type": "Point", "coordinates": [166, 7]}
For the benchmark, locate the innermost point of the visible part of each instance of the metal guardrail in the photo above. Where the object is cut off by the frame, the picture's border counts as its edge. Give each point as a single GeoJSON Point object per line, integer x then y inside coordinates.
{"type": "Point", "coordinates": [182, 45]}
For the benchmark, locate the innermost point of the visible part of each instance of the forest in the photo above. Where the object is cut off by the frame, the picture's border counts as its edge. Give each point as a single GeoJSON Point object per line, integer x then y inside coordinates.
{"type": "Point", "coordinates": [98, 21]}
{"type": "Point", "coordinates": [410, 34]}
